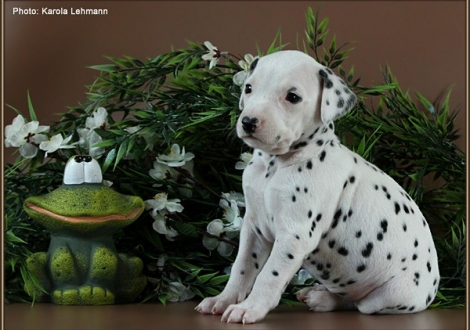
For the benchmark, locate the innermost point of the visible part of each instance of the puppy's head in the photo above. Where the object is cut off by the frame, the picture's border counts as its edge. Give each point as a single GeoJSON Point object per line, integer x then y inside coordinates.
{"type": "Point", "coordinates": [285, 97]}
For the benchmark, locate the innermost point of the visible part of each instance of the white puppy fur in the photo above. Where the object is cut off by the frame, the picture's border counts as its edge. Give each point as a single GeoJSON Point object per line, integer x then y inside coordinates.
{"type": "Point", "coordinates": [313, 203]}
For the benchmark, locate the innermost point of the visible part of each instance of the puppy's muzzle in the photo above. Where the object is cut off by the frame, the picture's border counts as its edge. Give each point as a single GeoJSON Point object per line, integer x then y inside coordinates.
{"type": "Point", "coordinates": [250, 124]}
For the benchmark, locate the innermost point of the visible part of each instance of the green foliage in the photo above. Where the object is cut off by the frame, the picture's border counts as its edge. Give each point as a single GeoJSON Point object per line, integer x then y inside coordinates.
{"type": "Point", "coordinates": [174, 98]}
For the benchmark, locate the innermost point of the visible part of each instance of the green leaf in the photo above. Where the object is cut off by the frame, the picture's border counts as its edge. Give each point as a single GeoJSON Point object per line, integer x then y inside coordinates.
{"type": "Point", "coordinates": [424, 101]}
{"type": "Point", "coordinates": [121, 152]}
{"type": "Point", "coordinates": [11, 237]}
{"type": "Point", "coordinates": [322, 38]}
{"type": "Point", "coordinates": [217, 280]}
{"type": "Point", "coordinates": [32, 114]}
{"type": "Point", "coordinates": [332, 45]}
{"type": "Point", "coordinates": [105, 67]}
{"type": "Point", "coordinates": [109, 159]}
{"type": "Point", "coordinates": [322, 25]}
{"type": "Point", "coordinates": [104, 144]}
{"type": "Point", "coordinates": [205, 278]}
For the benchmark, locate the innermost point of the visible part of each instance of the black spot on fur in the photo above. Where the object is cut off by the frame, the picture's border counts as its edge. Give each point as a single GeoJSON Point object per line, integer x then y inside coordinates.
{"type": "Point", "coordinates": [325, 275]}
{"type": "Point", "coordinates": [414, 257]}
{"type": "Point", "coordinates": [340, 103]}
{"type": "Point", "coordinates": [322, 155]}
{"type": "Point", "coordinates": [366, 252]}
{"type": "Point", "coordinates": [384, 225]}
{"type": "Point", "coordinates": [416, 243]}
{"type": "Point", "coordinates": [331, 243]}
{"type": "Point", "coordinates": [275, 273]}
{"type": "Point", "coordinates": [254, 255]}
{"type": "Point", "coordinates": [429, 266]}
{"type": "Point", "coordinates": [318, 218]}
{"type": "Point", "coordinates": [404, 227]}
{"type": "Point", "coordinates": [310, 214]}
{"type": "Point", "coordinates": [336, 218]}
{"type": "Point", "coordinates": [319, 142]}
{"type": "Point", "coordinates": [405, 208]}
{"type": "Point", "coordinates": [397, 208]}
{"type": "Point", "coordinates": [358, 234]}
{"type": "Point", "coordinates": [300, 145]}
{"type": "Point", "coordinates": [258, 231]}
{"type": "Point", "coordinates": [361, 268]}
{"type": "Point", "coordinates": [343, 251]}
{"type": "Point", "coordinates": [380, 236]}
{"type": "Point", "coordinates": [242, 272]}
{"type": "Point", "coordinates": [290, 256]}
{"type": "Point", "coordinates": [389, 256]}
{"type": "Point", "coordinates": [294, 199]}
{"type": "Point", "coordinates": [309, 165]}
{"type": "Point", "coordinates": [322, 73]}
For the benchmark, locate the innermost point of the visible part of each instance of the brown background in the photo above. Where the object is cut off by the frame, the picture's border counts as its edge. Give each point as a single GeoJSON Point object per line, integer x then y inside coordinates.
{"type": "Point", "coordinates": [422, 41]}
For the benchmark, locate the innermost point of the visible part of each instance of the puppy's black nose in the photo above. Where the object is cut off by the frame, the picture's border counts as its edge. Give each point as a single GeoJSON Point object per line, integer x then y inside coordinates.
{"type": "Point", "coordinates": [249, 124]}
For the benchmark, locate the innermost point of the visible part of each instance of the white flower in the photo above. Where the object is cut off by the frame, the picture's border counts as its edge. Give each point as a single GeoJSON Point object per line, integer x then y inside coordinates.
{"type": "Point", "coordinates": [55, 143]}
{"type": "Point", "coordinates": [160, 206]}
{"type": "Point", "coordinates": [217, 228]}
{"type": "Point", "coordinates": [26, 136]}
{"type": "Point", "coordinates": [245, 160]}
{"type": "Point", "coordinates": [176, 158]}
{"type": "Point", "coordinates": [162, 171]}
{"type": "Point", "coordinates": [179, 292]}
{"type": "Point", "coordinates": [160, 202]}
{"type": "Point", "coordinates": [213, 55]}
{"type": "Point", "coordinates": [99, 119]}
{"type": "Point", "coordinates": [301, 277]}
{"type": "Point", "coordinates": [240, 76]}
{"type": "Point", "coordinates": [231, 214]}
{"type": "Point", "coordinates": [235, 196]}
{"type": "Point", "coordinates": [107, 183]}
{"type": "Point", "coordinates": [88, 138]}
{"type": "Point", "coordinates": [161, 227]}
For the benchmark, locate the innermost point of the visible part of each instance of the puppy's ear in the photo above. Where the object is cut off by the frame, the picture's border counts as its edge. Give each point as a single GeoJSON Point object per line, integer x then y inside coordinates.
{"type": "Point", "coordinates": [337, 98]}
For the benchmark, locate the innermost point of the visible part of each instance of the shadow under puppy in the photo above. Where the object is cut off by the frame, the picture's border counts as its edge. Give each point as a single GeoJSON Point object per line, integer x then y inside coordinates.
{"type": "Point", "coordinates": [313, 203]}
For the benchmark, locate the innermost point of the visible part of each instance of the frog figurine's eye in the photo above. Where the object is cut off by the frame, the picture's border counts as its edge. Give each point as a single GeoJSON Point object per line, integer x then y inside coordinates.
{"type": "Point", "coordinates": [82, 169]}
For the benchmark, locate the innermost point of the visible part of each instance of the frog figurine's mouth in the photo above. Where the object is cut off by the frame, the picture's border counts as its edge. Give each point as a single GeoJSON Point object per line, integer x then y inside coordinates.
{"type": "Point", "coordinates": [74, 219]}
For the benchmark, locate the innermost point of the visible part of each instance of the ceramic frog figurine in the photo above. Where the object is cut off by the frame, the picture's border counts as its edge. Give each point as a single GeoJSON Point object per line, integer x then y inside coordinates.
{"type": "Point", "coordinates": [82, 266]}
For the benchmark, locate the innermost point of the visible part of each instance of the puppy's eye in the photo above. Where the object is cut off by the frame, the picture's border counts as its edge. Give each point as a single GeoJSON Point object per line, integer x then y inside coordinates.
{"type": "Point", "coordinates": [248, 89]}
{"type": "Point", "coordinates": [293, 98]}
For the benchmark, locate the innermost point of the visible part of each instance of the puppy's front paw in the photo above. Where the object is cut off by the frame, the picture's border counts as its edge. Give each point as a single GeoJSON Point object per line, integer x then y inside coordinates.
{"type": "Point", "coordinates": [215, 305]}
{"type": "Point", "coordinates": [244, 313]}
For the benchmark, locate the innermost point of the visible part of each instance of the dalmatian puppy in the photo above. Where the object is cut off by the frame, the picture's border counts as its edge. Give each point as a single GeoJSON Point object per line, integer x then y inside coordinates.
{"type": "Point", "coordinates": [313, 203]}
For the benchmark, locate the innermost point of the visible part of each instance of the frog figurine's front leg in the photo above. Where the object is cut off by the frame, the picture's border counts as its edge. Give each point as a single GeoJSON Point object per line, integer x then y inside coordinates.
{"type": "Point", "coordinates": [82, 275]}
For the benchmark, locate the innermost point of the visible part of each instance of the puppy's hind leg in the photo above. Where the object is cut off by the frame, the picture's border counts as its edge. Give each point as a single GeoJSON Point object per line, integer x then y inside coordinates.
{"type": "Point", "coordinates": [393, 297]}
